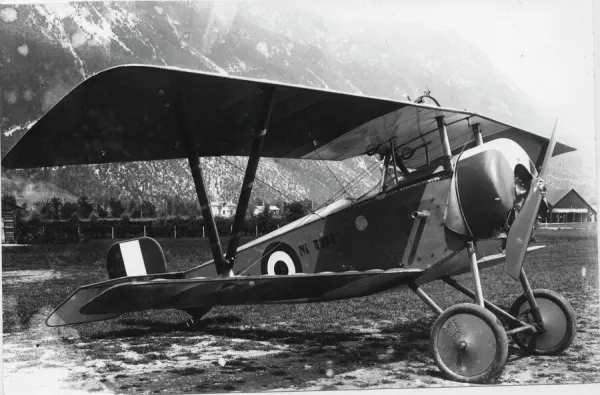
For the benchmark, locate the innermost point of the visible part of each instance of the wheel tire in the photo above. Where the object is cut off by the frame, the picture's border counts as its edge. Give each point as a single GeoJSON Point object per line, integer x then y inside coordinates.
{"type": "Point", "coordinates": [468, 345]}
{"type": "Point", "coordinates": [559, 321]}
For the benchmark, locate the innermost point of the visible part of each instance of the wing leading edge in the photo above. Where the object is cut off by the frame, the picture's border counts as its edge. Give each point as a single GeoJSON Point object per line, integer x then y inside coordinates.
{"type": "Point", "coordinates": [138, 113]}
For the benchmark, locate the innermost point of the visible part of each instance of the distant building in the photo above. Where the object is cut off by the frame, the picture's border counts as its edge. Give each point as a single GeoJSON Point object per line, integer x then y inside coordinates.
{"type": "Point", "coordinates": [568, 206]}
{"type": "Point", "coordinates": [9, 221]}
{"type": "Point", "coordinates": [223, 209]}
{"type": "Point", "coordinates": [273, 209]}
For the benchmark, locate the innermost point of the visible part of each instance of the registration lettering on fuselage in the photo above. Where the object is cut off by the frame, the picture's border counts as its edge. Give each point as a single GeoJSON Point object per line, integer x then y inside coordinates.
{"type": "Point", "coordinates": [324, 241]}
{"type": "Point", "coordinates": [303, 249]}
{"type": "Point", "coordinates": [318, 243]}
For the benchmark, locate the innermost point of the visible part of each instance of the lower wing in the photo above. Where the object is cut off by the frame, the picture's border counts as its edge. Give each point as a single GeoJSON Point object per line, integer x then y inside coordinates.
{"type": "Point", "coordinates": [112, 298]}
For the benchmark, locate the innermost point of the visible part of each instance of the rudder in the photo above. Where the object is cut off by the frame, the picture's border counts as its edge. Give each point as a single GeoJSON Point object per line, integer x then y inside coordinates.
{"type": "Point", "coordinates": [135, 257]}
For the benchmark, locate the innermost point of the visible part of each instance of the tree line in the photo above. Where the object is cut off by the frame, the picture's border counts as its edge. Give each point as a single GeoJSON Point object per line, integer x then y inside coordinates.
{"type": "Point", "coordinates": [56, 208]}
{"type": "Point", "coordinates": [55, 220]}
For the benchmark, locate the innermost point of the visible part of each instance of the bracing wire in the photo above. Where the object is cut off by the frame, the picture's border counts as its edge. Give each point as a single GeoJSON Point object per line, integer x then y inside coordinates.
{"type": "Point", "coordinates": [258, 259]}
{"type": "Point", "coordinates": [332, 173]}
{"type": "Point", "coordinates": [260, 180]}
{"type": "Point", "coordinates": [350, 184]}
{"type": "Point", "coordinates": [356, 180]}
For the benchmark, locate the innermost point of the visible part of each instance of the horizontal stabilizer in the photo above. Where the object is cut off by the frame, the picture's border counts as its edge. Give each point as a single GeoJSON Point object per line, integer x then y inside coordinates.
{"type": "Point", "coordinates": [68, 312]}
{"type": "Point", "coordinates": [190, 293]}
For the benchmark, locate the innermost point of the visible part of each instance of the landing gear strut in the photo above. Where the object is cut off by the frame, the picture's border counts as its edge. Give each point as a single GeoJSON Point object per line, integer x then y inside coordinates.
{"type": "Point", "coordinates": [470, 344]}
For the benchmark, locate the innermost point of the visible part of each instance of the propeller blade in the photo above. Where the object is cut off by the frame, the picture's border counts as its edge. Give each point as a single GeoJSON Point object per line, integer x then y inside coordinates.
{"type": "Point", "coordinates": [549, 151]}
{"type": "Point", "coordinates": [520, 230]}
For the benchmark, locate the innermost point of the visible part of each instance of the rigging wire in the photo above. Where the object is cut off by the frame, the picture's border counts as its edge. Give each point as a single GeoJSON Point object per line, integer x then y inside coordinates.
{"type": "Point", "coordinates": [258, 259]}
{"type": "Point", "coordinates": [260, 180]}
{"type": "Point", "coordinates": [352, 183]}
{"type": "Point", "coordinates": [332, 173]}
{"type": "Point", "coordinates": [356, 180]}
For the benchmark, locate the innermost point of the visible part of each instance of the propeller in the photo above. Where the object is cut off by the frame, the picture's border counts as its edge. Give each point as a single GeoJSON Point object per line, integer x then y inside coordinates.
{"type": "Point", "coordinates": [521, 228]}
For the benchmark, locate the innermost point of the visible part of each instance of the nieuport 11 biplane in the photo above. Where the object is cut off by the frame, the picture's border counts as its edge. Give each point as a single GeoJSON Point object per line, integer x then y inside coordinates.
{"type": "Point", "coordinates": [459, 192]}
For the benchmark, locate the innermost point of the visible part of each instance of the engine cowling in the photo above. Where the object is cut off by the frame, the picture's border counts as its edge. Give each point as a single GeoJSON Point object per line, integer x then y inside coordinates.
{"type": "Point", "coordinates": [488, 181]}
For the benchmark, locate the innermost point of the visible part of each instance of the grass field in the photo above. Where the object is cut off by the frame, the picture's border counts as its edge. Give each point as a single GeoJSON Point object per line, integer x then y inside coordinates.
{"type": "Point", "coordinates": [380, 341]}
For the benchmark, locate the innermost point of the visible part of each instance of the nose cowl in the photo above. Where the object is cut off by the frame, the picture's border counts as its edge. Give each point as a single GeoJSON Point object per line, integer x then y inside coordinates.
{"type": "Point", "coordinates": [488, 181]}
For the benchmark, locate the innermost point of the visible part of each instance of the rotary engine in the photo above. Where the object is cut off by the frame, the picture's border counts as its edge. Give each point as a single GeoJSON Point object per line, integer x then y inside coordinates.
{"type": "Point", "coordinates": [488, 182]}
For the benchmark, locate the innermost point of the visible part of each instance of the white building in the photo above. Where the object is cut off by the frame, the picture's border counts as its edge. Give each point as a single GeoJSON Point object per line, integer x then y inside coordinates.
{"type": "Point", "coordinates": [273, 209]}
{"type": "Point", "coordinates": [223, 209]}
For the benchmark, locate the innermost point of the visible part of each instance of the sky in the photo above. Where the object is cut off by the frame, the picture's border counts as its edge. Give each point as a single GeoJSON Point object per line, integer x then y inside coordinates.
{"type": "Point", "coordinates": [544, 46]}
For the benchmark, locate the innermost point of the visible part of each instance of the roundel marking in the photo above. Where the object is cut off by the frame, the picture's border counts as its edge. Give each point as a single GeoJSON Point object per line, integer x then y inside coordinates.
{"type": "Point", "coordinates": [276, 262]}
{"type": "Point", "coordinates": [280, 259]}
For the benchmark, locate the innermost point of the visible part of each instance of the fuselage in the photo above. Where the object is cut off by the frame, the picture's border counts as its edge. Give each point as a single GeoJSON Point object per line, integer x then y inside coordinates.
{"type": "Point", "coordinates": [380, 231]}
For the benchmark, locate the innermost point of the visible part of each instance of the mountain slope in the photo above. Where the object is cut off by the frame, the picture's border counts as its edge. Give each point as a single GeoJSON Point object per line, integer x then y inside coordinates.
{"type": "Point", "coordinates": [51, 48]}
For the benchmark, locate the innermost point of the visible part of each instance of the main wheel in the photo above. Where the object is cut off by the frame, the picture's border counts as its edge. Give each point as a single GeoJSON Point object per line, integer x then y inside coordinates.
{"type": "Point", "coordinates": [468, 345]}
{"type": "Point", "coordinates": [559, 323]}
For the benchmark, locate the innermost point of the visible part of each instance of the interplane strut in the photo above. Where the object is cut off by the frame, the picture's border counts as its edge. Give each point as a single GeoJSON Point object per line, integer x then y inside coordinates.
{"type": "Point", "coordinates": [255, 151]}
{"type": "Point", "coordinates": [194, 162]}
{"type": "Point", "coordinates": [224, 264]}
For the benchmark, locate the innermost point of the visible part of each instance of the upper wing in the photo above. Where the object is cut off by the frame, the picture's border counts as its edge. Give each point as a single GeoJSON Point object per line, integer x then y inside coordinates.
{"type": "Point", "coordinates": [137, 113]}
{"type": "Point", "coordinates": [108, 299]}
{"type": "Point", "coordinates": [416, 135]}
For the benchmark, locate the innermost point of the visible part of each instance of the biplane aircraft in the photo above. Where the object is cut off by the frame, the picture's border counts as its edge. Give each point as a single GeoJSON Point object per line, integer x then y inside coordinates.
{"type": "Point", "coordinates": [459, 192]}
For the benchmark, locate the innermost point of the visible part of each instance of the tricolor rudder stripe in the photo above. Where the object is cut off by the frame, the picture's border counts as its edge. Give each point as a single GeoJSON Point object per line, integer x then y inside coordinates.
{"type": "Point", "coordinates": [279, 259]}
{"type": "Point", "coordinates": [136, 257]}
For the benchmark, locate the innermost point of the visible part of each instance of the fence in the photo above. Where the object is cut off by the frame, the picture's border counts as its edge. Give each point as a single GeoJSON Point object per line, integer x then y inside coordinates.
{"type": "Point", "coordinates": [37, 231]}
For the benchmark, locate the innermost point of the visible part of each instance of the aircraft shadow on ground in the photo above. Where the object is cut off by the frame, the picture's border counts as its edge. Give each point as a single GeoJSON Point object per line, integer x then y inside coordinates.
{"type": "Point", "coordinates": [394, 343]}
{"type": "Point", "coordinates": [343, 351]}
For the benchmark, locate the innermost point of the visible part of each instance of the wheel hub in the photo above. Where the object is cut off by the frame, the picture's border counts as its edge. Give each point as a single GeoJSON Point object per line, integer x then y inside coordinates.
{"type": "Point", "coordinates": [529, 317]}
{"type": "Point", "coordinates": [468, 344]}
{"type": "Point", "coordinates": [558, 328]}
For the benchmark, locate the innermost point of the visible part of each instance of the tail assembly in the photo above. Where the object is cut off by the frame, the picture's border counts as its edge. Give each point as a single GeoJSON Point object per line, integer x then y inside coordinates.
{"type": "Point", "coordinates": [139, 259]}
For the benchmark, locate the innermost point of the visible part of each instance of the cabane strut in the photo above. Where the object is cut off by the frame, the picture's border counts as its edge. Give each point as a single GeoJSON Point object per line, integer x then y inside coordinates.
{"type": "Point", "coordinates": [445, 143]}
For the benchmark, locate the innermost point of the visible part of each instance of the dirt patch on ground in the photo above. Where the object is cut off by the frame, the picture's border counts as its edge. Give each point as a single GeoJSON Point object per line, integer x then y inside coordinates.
{"type": "Point", "coordinates": [381, 341]}
{"type": "Point", "coordinates": [46, 360]}
{"type": "Point", "coordinates": [39, 362]}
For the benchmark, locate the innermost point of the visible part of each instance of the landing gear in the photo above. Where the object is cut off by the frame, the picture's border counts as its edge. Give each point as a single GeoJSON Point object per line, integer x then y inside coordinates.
{"type": "Point", "coordinates": [558, 318]}
{"type": "Point", "coordinates": [468, 345]}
